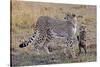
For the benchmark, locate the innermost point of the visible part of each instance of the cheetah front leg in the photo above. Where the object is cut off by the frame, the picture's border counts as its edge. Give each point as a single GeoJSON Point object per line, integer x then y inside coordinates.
{"type": "Point", "coordinates": [71, 49]}
{"type": "Point", "coordinates": [46, 47]}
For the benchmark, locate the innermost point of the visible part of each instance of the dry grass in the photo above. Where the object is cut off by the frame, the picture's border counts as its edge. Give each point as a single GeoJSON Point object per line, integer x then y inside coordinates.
{"type": "Point", "coordinates": [24, 17]}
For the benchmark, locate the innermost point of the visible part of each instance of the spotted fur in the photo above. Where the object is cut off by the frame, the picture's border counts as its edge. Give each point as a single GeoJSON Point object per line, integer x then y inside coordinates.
{"type": "Point", "coordinates": [44, 27]}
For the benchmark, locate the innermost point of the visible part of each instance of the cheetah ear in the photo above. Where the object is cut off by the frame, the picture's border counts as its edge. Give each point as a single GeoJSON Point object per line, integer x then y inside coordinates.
{"type": "Point", "coordinates": [84, 27]}
{"type": "Point", "coordinates": [73, 15]}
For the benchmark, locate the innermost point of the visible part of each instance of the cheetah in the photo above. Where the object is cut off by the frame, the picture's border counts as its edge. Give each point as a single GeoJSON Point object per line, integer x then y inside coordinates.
{"type": "Point", "coordinates": [82, 39]}
{"type": "Point", "coordinates": [48, 28]}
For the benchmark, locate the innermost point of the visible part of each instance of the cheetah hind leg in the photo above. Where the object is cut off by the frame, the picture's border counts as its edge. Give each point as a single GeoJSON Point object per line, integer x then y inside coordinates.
{"type": "Point", "coordinates": [36, 50]}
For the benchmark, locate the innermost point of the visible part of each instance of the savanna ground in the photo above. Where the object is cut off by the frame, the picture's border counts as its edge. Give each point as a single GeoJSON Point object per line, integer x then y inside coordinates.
{"type": "Point", "coordinates": [24, 16]}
